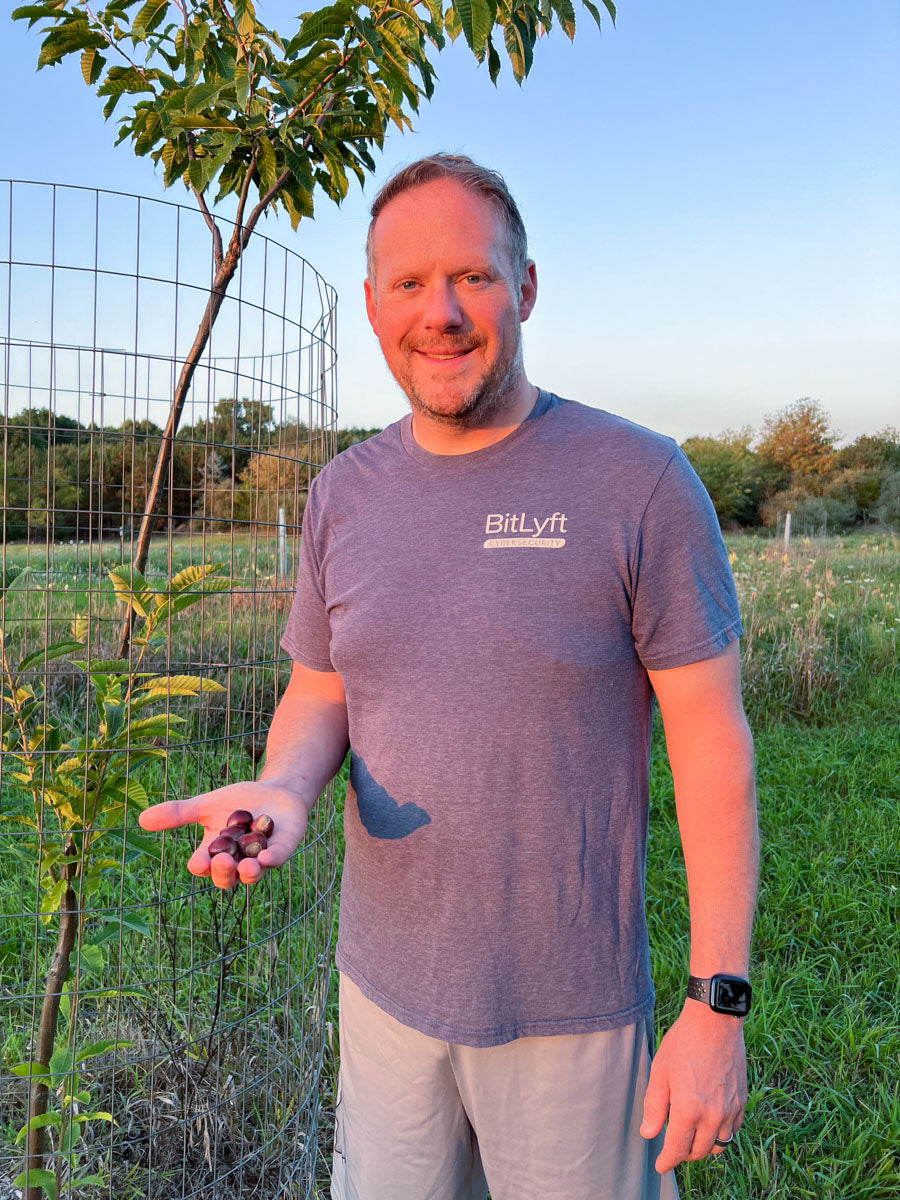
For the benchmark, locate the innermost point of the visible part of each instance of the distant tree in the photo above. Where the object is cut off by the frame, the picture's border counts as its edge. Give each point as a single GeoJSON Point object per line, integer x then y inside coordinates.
{"type": "Point", "coordinates": [218, 99]}
{"type": "Point", "coordinates": [350, 437]}
{"type": "Point", "coordinates": [799, 440]}
{"type": "Point", "coordinates": [872, 452]}
{"type": "Point", "coordinates": [731, 472]}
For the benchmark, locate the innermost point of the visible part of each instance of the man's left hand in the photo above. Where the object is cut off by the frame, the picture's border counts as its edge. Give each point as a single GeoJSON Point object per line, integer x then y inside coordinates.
{"type": "Point", "coordinates": [698, 1080]}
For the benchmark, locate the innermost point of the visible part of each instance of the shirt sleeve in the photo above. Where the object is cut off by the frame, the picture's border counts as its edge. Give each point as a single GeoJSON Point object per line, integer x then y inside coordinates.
{"type": "Point", "coordinates": [307, 634]}
{"type": "Point", "coordinates": [684, 604]}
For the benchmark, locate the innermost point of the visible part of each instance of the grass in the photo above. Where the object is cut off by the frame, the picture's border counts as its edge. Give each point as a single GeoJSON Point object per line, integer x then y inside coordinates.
{"type": "Point", "coordinates": [822, 694]}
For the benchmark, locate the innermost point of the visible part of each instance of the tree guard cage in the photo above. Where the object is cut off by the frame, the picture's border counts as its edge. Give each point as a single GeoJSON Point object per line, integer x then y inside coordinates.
{"type": "Point", "coordinates": [158, 1038]}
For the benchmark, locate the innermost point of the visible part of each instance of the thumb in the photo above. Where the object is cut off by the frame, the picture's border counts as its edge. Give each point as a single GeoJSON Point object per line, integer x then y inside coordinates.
{"type": "Point", "coordinates": [656, 1104]}
{"type": "Point", "coordinates": [169, 814]}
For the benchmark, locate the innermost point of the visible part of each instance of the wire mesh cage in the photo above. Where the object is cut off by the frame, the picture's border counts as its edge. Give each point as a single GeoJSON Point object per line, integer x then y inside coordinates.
{"type": "Point", "coordinates": [158, 1037]}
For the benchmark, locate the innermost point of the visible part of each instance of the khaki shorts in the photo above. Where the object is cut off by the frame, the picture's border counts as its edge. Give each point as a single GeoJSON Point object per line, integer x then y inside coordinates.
{"type": "Point", "coordinates": [540, 1118]}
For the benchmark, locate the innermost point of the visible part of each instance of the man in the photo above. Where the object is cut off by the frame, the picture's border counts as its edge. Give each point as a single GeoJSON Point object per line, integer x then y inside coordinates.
{"type": "Point", "coordinates": [490, 593]}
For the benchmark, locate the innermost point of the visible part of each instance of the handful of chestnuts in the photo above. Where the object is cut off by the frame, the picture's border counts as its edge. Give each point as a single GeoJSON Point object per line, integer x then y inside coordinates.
{"type": "Point", "coordinates": [243, 836]}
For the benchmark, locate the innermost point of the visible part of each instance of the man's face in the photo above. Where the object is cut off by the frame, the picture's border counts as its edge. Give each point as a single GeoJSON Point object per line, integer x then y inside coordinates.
{"type": "Point", "coordinates": [444, 305]}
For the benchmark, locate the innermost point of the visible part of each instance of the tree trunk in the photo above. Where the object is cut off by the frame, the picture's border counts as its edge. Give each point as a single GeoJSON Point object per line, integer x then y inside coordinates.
{"type": "Point", "coordinates": [46, 1035]}
{"type": "Point", "coordinates": [223, 277]}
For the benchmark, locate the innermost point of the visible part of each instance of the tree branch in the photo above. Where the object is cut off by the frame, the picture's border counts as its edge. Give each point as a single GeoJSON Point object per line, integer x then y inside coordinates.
{"type": "Point", "coordinates": [265, 201]}
{"type": "Point", "coordinates": [204, 209]}
{"type": "Point", "coordinates": [114, 45]}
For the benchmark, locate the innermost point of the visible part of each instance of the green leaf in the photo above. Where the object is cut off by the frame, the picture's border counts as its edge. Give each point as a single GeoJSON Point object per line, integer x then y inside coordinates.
{"type": "Point", "coordinates": [30, 1070]}
{"type": "Point", "coordinates": [104, 1047]}
{"type": "Point", "coordinates": [476, 20]}
{"type": "Point", "coordinates": [90, 1180]}
{"type": "Point", "coordinates": [116, 666]}
{"type": "Point", "coordinates": [62, 1062]}
{"type": "Point", "coordinates": [37, 1178]}
{"type": "Point", "coordinates": [327, 23]}
{"type": "Point", "coordinates": [51, 899]}
{"type": "Point", "coordinates": [112, 931]}
{"type": "Point", "coordinates": [92, 64]}
{"type": "Point", "coordinates": [39, 1121]}
{"type": "Point", "coordinates": [179, 685]}
{"type": "Point", "coordinates": [241, 85]}
{"type": "Point", "coordinates": [57, 650]}
{"type": "Point", "coordinates": [131, 588]}
{"type": "Point", "coordinates": [92, 960]}
{"type": "Point", "coordinates": [150, 16]}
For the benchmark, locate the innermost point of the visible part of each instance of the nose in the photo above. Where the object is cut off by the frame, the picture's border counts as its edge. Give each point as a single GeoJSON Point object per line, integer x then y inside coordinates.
{"type": "Point", "coordinates": [442, 310]}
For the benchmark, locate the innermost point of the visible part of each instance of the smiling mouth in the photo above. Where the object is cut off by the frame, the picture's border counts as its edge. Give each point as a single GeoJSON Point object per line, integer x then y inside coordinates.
{"type": "Point", "coordinates": [445, 355]}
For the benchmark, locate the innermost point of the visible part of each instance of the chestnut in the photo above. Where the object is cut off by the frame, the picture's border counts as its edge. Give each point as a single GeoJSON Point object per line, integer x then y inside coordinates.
{"type": "Point", "coordinates": [250, 844]}
{"type": "Point", "coordinates": [240, 817]}
{"type": "Point", "coordinates": [225, 843]}
{"type": "Point", "coordinates": [263, 824]}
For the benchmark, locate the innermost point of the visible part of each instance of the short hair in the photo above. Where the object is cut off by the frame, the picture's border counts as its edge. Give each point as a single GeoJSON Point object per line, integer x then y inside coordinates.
{"type": "Point", "coordinates": [481, 181]}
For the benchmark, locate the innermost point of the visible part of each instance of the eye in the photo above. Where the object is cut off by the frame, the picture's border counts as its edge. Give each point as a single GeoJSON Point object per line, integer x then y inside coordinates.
{"type": "Point", "coordinates": [407, 285]}
{"type": "Point", "coordinates": [475, 277]}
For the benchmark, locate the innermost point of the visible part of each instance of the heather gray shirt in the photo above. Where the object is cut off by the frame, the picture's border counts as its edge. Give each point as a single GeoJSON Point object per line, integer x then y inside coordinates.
{"type": "Point", "coordinates": [493, 616]}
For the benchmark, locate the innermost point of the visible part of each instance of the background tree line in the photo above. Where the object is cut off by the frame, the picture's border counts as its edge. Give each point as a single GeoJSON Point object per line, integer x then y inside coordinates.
{"type": "Point", "coordinates": [67, 480]}
{"type": "Point", "coordinates": [793, 464]}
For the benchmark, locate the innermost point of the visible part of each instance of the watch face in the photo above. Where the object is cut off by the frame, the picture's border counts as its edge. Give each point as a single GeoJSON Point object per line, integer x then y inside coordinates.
{"type": "Point", "coordinates": [730, 995]}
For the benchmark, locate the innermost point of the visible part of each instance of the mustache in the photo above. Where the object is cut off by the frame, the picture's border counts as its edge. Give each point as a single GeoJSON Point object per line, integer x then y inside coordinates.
{"type": "Point", "coordinates": [458, 341]}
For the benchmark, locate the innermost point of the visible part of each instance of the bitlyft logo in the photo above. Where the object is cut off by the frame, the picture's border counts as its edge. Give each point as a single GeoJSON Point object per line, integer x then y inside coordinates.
{"type": "Point", "coordinates": [506, 530]}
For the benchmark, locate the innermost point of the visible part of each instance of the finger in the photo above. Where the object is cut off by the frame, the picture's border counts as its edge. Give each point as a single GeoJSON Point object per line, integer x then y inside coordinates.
{"type": "Point", "coordinates": [223, 870]}
{"type": "Point", "coordinates": [198, 863]}
{"type": "Point", "coordinates": [249, 870]}
{"type": "Point", "coordinates": [676, 1146]}
{"type": "Point", "coordinates": [704, 1142]}
{"type": "Point", "coordinates": [170, 814]}
{"type": "Point", "coordinates": [724, 1133]}
{"type": "Point", "coordinates": [656, 1104]}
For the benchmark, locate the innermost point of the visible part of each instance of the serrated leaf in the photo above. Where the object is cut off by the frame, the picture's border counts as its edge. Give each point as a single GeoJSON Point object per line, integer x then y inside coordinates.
{"type": "Point", "coordinates": [62, 1062]}
{"type": "Point", "coordinates": [57, 650]}
{"type": "Point", "coordinates": [179, 685]}
{"type": "Point", "coordinates": [51, 899]}
{"type": "Point", "coordinates": [112, 666]}
{"type": "Point", "coordinates": [92, 960]}
{"type": "Point", "coordinates": [92, 64]}
{"type": "Point", "coordinates": [130, 922]}
{"type": "Point", "coordinates": [103, 1047]}
{"type": "Point", "coordinates": [326, 23]}
{"type": "Point", "coordinates": [476, 20]}
{"type": "Point", "coordinates": [34, 1177]}
{"type": "Point", "coordinates": [150, 16]}
{"type": "Point", "coordinates": [39, 1121]}
{"type": "Point", "coordinates": [32, 1070]}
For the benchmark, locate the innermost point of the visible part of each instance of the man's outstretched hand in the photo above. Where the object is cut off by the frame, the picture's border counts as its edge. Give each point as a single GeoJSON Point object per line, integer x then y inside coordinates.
{"type": "Point", "coordinates": [698, 1080]}
{"type": "Point", "coordinates": [212, 810]}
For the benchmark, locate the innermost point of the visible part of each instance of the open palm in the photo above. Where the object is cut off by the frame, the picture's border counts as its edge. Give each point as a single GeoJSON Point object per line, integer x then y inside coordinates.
{"type": "Point", "coordinates": [212, 810]}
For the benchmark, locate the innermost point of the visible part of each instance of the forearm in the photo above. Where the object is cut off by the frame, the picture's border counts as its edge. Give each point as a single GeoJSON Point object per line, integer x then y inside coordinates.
{"type": "Point", "coordinates": [308, 737]}
{"type": "Point", "coordinates": [715, 799]}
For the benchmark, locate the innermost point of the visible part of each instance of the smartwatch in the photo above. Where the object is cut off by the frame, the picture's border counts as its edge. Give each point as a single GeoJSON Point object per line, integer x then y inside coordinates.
{"type": "Point", "coordinates": [729, 994]}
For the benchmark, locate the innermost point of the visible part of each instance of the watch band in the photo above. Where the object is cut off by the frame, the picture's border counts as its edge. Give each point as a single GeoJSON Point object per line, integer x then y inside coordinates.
{"type": "Point", "coordinates": [698, 989]}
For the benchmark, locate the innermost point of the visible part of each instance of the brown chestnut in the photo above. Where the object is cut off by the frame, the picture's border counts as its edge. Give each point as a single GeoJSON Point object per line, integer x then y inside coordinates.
{"type": "Point", "coordinates": [240, 817]}
{"type": "Point", "coordinates": [263, 824]}
{"type": "Point", "coordinates": [250, 844]}
{"type": "Point", "coordinates": [223, 844]}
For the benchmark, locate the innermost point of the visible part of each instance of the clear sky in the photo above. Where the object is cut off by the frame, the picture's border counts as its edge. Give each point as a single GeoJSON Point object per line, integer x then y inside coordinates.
{"type": "Point", "coordinates": [712, 194]}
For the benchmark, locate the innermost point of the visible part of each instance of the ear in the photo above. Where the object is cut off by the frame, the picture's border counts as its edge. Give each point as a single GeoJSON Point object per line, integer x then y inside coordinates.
{"type": "Point", "coordinates": [528, 291]}
{"type": "Point", "coordinates": [371, 306]}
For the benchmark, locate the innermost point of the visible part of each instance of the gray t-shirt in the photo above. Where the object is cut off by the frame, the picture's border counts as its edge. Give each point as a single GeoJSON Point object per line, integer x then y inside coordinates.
{"type": "Point", "coordinates": [492, 616]}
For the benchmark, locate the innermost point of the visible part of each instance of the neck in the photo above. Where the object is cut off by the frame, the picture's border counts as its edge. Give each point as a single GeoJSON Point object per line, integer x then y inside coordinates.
{"type": "Point", "coordinates": [439, 438]}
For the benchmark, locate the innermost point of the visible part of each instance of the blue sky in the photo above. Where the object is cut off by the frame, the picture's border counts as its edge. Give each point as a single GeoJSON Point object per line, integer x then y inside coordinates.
{"type": "Point", "coordinates": [712, 194]}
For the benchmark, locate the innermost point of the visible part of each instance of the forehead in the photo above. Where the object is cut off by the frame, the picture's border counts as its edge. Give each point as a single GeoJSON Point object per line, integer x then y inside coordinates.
{"type": "Point", "coordinates": [440, 220]}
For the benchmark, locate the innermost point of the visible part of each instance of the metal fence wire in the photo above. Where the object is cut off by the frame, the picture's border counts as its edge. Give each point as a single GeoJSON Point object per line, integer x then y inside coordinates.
{"type": "Point", "coordinates": [158, 1037]}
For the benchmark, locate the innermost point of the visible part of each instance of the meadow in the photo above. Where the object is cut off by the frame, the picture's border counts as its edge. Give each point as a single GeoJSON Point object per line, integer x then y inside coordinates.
{"type": "Point", "coordinates": [822, 694]}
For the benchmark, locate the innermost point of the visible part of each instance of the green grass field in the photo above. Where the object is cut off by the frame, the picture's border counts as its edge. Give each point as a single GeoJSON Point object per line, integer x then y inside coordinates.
{"type": "Point", "coordinates": [822, 694]}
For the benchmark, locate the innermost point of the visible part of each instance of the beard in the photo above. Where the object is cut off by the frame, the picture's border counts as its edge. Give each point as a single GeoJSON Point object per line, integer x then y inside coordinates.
{"type": "Point", "coordinates": [494, 392]}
